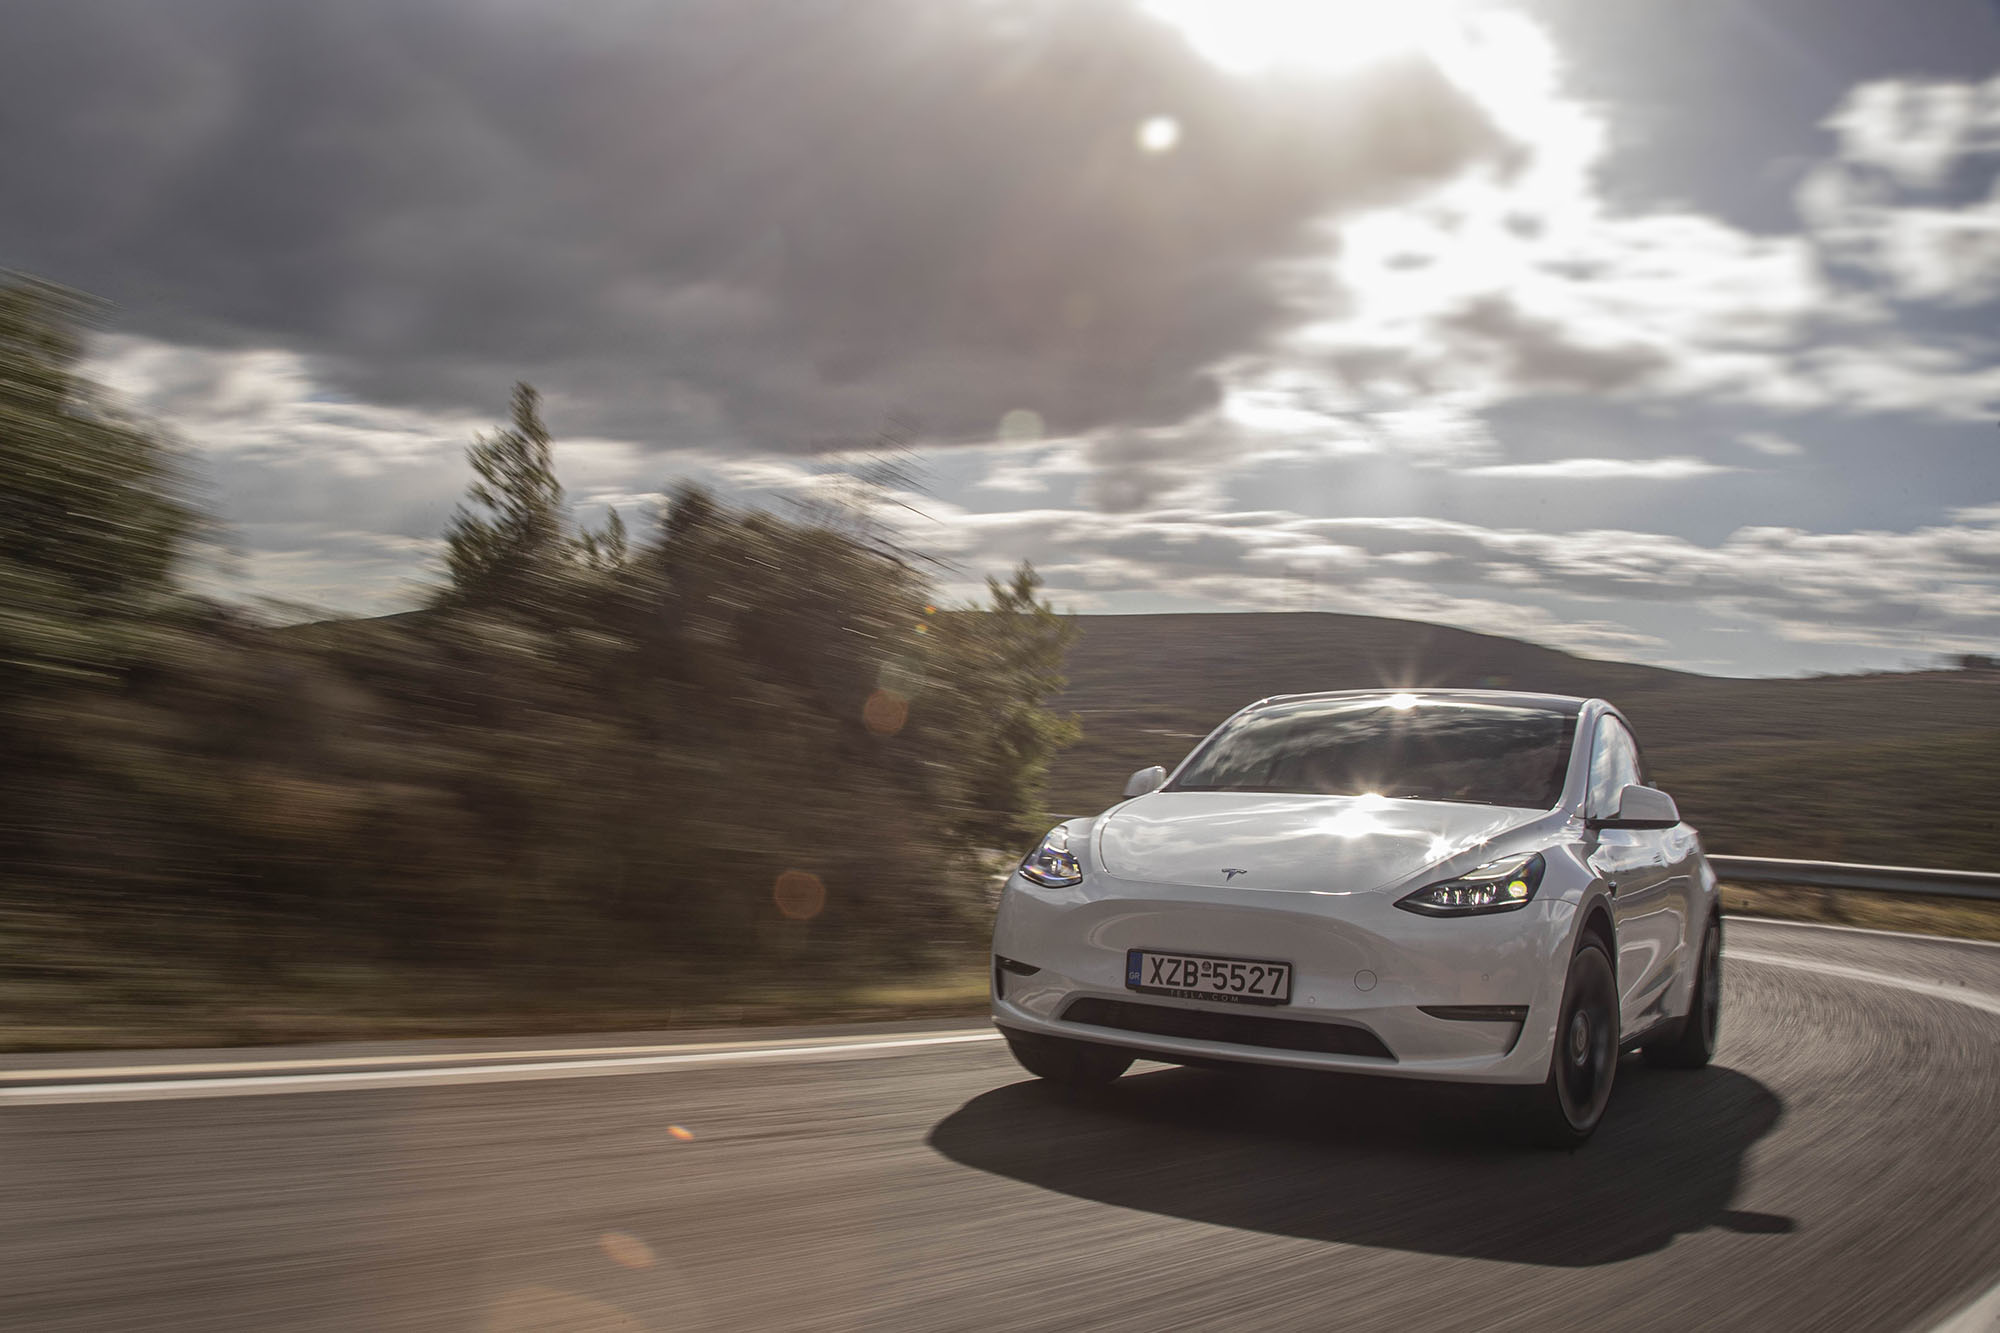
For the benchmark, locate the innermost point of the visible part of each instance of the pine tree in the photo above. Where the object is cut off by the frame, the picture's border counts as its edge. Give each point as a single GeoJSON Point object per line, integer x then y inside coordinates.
{"type": "Point", "coordinates": [608, 549]}
{"type": "Point", "coordinates": [508, 542]}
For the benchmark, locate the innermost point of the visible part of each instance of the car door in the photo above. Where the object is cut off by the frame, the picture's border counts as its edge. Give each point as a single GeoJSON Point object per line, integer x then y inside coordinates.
{"type": "Point", "coordinates": [1645, 908]}
{"type": "Point", "coordinates": [1677, 849]}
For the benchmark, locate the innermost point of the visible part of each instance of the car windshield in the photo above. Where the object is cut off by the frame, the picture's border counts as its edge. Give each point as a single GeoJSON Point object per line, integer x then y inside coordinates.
{"type": "Point", "coordinates": [1391, 745]}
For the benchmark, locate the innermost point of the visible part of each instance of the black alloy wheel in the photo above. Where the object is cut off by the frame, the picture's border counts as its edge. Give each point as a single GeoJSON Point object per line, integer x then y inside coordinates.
{"type": "Point", "coordinates": [1692, 1044]}
{"type": "Point", "coordinates": [1566, 1109]}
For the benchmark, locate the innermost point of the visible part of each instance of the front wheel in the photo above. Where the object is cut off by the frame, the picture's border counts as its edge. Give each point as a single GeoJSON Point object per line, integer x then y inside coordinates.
{"type": "Point", "coordinates": [1564, 1111]}
{"type": "Point", "coordinates": [1070, 1064]}
{"type": "Point", "coordinates": [1693, 1045]}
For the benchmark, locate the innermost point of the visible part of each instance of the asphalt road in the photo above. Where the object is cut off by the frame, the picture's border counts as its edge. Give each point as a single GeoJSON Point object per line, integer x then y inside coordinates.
{"type": "Point", "coordinates": [1839, 1167]}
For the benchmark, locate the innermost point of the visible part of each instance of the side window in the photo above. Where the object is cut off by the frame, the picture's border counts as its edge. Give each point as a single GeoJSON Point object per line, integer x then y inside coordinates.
{"type": "Point", "coordinates": [1614, 762]}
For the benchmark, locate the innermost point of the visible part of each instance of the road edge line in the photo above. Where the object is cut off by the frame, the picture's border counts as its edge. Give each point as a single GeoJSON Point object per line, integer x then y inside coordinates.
{"type": "Point", "coordinates": [85, 1091]}
{"type": "Point", "coordinates": [1973, 999]}
{"type": "Point", "coordinates": [393, 1060]}
{"type": "Point", "coordinates": [1981, 1314]}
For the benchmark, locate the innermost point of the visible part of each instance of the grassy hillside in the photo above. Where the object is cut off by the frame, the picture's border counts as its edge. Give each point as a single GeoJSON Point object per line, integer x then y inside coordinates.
{"type": "Point", "coordinates": [1898, 768]}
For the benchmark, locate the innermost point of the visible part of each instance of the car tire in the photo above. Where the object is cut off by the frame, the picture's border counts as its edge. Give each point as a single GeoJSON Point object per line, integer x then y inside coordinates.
{"type": "Point", "coordinates": [1066, 1063]}
{"type": "Point", "coordinates": [1692, 1043]}
{"type": "Point", "coordinates": [1566, 1109]}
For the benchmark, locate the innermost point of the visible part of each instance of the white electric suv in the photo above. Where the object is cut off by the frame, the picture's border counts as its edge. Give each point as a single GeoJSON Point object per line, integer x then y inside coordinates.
{"type": "Point", "coordinates": [1459, 885]}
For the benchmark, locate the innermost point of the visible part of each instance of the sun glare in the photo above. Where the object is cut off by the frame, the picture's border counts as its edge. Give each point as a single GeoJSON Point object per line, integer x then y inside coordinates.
{"type": "Point", "coordinates": [1247, 36]}
{"type": "Point", "coordinates": [1159, 134]}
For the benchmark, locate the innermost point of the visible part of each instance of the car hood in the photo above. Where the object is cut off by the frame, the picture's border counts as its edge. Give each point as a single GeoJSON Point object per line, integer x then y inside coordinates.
{"type": "Point", "coordinates": [1297, 844]}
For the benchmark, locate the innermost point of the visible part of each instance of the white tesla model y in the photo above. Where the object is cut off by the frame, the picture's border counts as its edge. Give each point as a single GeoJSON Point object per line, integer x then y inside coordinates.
{"type": "Point", "coordinates": [1457, 885]}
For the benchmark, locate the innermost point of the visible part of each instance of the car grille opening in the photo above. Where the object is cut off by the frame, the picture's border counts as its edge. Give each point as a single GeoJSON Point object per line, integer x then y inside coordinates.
{"type": "Point", "coordinates": [1478, 1013]}
{"type": "Point", "coordinates": [1278, 1034]}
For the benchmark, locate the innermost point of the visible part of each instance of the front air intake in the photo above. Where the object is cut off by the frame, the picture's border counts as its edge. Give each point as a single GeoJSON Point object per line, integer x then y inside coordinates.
{"type": "Point", "coordinates": [1277, 1034]}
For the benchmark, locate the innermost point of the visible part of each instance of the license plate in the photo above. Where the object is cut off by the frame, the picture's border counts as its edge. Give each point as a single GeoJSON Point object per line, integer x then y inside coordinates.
{"type": "Point", "coordinates": [1194, 976]}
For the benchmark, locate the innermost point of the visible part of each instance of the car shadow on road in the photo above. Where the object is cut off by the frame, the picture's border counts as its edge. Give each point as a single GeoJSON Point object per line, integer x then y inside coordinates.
{"type": "Point", "coordinates": [1378, 1162]}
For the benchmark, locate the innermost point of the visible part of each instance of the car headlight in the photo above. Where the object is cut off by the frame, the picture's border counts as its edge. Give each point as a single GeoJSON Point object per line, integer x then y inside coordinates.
{"type": "Point", "coordinates": [1052, 863]}
{"type": "Point", "coordinates": [1497, 886]}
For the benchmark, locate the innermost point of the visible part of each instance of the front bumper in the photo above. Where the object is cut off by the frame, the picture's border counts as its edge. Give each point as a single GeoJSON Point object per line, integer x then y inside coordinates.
{"type": "Point", "coordinates": [1357, 963]}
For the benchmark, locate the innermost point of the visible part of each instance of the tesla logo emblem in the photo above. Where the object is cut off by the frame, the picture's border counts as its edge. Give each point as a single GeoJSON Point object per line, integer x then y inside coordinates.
{"type": "Point", "coordinates": [1228, 874]}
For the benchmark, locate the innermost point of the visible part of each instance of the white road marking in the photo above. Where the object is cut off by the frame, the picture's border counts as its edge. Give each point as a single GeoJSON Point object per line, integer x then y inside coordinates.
{"type": "Point", "coordinates": [249, 1078]}
{"type": "Point", "coordinates": [77, 1073]}
{"type": "Point", "coordinates": [1958, 994]}
{"type": "Point", "coordinates": [350, 1080]}
{"type": "Point", "coordinates": [266, 1077]}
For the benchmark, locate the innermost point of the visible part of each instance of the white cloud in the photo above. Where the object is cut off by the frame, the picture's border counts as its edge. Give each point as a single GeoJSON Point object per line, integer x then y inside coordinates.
{"type": "Point", "coordinates": [262, 402]}
{"type": "Point", "coordinates": [1917, 131]}
{"type": "Point", "coordinates": [1603, 469]}
{"type": "Point", "coordinates": [1498, 286]}
{"type": "Point", "coordinates": [1889, 204]}
{"type": "Point", "coordinates": [1776, 446]}
{"type": "Point", "coordinates": [767, 474]}
{"type": "Point", "coordinates": [1027, 470]}
{"type": "Point", "coordinates": [1414, 323]}
{"type": "Point", "coordinates": [327, 503]}
{"type": "Point", "coordinates": [1016, 477]}
{"type": "Point", "coordinates": [314, 527]}
{"type": "Point", "coordinates": [1860, 588]}
{"type": "Point", "coordinates": [1889, 375]}
{"type": "Point", "coordinates": [1923, 251]}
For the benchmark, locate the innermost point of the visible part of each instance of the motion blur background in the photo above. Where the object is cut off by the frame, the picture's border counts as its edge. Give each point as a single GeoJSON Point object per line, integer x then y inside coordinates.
{"type": "Point", "coordinates": [350, 684]}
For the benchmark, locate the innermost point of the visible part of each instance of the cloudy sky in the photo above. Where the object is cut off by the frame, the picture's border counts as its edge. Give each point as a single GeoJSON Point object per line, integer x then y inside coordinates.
{"type": "Point", "coordinates": [1659, 330]}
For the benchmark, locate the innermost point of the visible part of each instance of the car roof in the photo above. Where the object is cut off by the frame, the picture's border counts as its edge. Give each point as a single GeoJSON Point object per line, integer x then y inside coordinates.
{"type": "Point", "coordinates": [1553, 703]}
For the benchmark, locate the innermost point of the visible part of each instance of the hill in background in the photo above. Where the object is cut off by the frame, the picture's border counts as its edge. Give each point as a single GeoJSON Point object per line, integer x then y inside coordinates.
{"type": "Point", "coordinates": [1896, 768]}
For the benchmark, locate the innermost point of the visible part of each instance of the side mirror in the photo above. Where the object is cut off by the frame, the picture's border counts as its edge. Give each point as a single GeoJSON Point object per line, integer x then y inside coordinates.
{"type": "Point", "coordinates": [1642, 808]}
{"type": "Point", "coordinates": [1145, 780]}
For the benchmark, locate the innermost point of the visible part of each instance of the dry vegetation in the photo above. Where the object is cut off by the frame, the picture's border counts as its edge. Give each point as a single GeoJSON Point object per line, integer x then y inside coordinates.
{"type": "Point", "coordinates": [1914, 914]}
{"type": "Point", "coordinates": [733, 762]}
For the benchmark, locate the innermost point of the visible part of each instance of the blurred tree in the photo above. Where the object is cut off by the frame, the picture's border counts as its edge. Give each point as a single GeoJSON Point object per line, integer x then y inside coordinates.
{"type": "Point", "coordinates": [1006, 661]}
{"type": "Point", "coordinates": [608, 548]}
{"type": "Point", "coordinates": [91, 532]}
{"type": "Point", "coordinates": [90, 525]}
{"type": "Point", "coordinates": [576, 779]}
{"type": "Point", "coordinates": [504, 546]}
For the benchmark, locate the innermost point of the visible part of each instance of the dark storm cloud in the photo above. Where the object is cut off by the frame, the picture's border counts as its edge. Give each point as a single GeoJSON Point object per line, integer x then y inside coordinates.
{"type": "Point", "coordinates": [695, 222]}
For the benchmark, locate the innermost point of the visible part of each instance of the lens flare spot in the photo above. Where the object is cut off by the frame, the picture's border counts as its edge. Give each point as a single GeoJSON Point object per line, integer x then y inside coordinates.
{"type": "Point", "coordinates": [625, 1249]}
{"type": "Point", "coordinates": [799, 895]}
{"type": "Point", "coordinates": [1023, 425]}
{"type": "Point", "coordinates": [677, 1132]}
{"type": "Point", "coordinates": [1158, 134]}
{"type": "Point", "coordinates": [886, 711]}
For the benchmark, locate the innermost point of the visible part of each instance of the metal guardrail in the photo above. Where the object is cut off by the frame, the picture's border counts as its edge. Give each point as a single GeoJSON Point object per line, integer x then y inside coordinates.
{"type": "Point", "coordinates": [1845, 875]}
